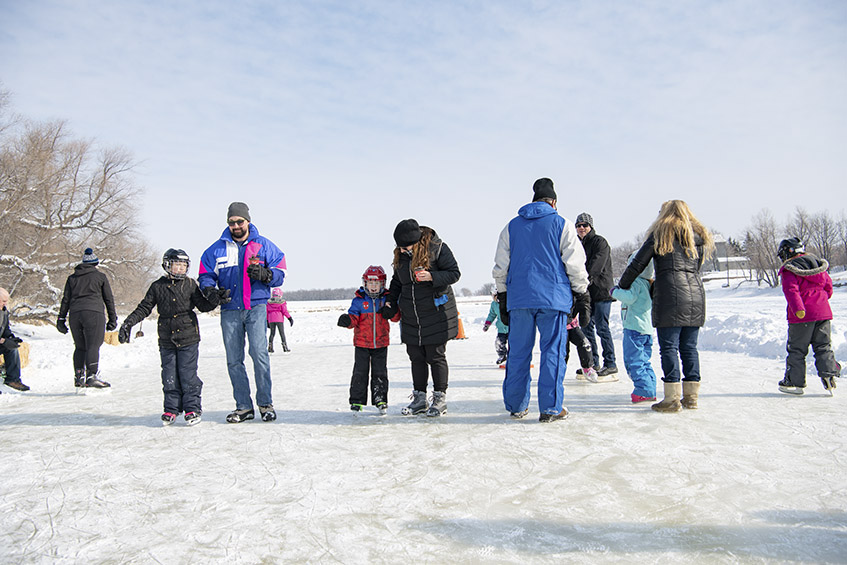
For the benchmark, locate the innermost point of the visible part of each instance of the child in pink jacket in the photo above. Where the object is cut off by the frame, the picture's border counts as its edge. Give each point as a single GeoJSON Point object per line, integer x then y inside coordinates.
{"type": "Point", "coordinates": [277, 313]}
{"type": "Point", "coordinates": [807, 288]}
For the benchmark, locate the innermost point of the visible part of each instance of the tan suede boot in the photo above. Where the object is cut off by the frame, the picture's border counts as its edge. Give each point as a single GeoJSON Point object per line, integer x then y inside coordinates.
{"type": "Point", "coordinates": [690, 392]}
{"type": "Point", "coordinates": [671, 401]}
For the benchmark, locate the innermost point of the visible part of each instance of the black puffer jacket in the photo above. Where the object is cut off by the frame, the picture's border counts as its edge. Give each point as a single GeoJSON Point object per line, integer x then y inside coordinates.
{"type": "Point", "coordinates": [87, 289]}
{"type": "Point", "coordinates": [175, 300]}
{"type": "Point", "coordinates": [598, 263]}
{"type": "Point", "coordinates": [679, 299]}
{"type": "Point", "coordinates": [429, 315]}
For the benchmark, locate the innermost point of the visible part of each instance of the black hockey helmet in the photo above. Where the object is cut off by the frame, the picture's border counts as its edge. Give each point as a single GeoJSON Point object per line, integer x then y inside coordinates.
{"type": "Point", "coordinates": [172, 257]}
{"type": "Point", "coordinates": [790, 247]}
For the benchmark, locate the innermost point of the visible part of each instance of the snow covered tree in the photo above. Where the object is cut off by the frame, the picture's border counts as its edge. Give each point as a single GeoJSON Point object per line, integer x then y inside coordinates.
{"type": "Point", "coordinates": [59, 195]}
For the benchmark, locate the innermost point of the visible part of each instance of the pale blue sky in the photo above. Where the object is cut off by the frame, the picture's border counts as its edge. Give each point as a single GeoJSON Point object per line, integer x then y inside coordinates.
{"type": "Point", "coordinates": [335, 120]}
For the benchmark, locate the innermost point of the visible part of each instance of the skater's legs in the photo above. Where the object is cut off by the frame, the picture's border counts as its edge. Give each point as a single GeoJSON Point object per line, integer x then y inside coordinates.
{"type": "Point", "coordinates": [516, 385]}
{"type": "Point", "coordinates": [170, 384]}
{"type": "Point", "coordinates": [688, 354]}
{"type": "Point", "coordinates": [359, 380]}
{"type": "Point", "coordinates": [233, 333]}
{"type": "Point", "coordinates": [797, 346]}
{"type": "Point", "coordinates": [256, 324]}
{"type": "Point", "coordinates": [379, 375]}
{"type": "Point", "coordinates": [189, 383]}
{"type": "Point", "coordinates": [553, 335]}
{"type": "Point", "coordinates": [822, 346]}
{"type": "Point", "coordinates": [669, 353]}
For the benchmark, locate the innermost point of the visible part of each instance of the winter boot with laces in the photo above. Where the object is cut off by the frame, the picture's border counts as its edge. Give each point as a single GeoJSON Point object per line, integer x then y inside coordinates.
{"type": "Point", "coordinates": [418, 404]}
{"type": "Point", "coordinates": [439, 404]}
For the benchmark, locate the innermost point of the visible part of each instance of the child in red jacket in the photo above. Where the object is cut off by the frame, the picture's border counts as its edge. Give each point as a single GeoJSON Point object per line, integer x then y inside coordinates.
{"type": "Point", "coordinates": [807, 288]}
{"type": "Point", "coordinates": [370, 336]}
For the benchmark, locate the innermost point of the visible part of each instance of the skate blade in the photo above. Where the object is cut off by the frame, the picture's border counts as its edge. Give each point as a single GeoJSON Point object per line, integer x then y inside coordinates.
{"type": "Point", "coordinates": [193, 422]}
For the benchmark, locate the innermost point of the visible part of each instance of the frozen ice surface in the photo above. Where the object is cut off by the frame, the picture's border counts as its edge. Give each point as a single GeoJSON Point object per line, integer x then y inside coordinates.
{"type": "Point", "coordinates": [753, 476]}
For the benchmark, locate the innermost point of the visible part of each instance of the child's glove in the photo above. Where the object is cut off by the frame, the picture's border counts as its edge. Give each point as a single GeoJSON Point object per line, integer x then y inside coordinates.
{"type": "Point", "coordinates": [290, 321]}
{"type": "Point", "coordinates": [486, 326]}
{"type": "Point", "coordinates": [259, 273]}
{"type": "Point", "coordinates": [61, 326]}
{"type": "Point", "coordinates": [344, 321]}
{"type": "Point", "coordinates": [123, 333]}
{"type": "Point", "coordinates": [800, 314]}
{"type": "Point", "coordinates": [111, 325]}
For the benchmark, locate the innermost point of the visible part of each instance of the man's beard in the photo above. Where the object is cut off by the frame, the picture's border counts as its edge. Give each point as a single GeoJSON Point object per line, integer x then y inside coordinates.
{"type": "Point", "coordinates": [238, 232]}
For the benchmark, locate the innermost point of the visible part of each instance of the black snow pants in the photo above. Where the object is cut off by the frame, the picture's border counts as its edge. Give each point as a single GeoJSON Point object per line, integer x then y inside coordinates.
{"type": "Point", "coordinates": [180, 382]}
{"type": "Point", "coordinates": [375, 363]}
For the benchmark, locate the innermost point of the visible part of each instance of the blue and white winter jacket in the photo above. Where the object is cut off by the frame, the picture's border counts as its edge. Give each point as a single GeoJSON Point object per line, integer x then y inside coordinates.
{"type": "Point", "coordinates": [636, 304]}
{"type": "Point", "coordinates": [540, 260]}
{"type": "Point", "coordinates": [224, 264]}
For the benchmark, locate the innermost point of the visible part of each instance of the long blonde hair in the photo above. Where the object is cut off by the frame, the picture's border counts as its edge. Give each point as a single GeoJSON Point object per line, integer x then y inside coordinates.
{"type": "Point", "coordinates": [420, 251]}
{"type": "Point", "coordinates": [677, 222]}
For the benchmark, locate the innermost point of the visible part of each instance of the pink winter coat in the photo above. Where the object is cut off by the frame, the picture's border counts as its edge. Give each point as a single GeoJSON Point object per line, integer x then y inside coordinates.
{"type": "Point", "coordinates": [807, 287]}
{"type": "Point", "coordinates": [277, 311]}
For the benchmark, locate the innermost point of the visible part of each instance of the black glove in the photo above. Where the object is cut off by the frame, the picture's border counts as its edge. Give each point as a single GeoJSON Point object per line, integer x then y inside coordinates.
{"type": "Point", "coordinates": [123, 333]}
{"type": "Point", "coordinates": [12, 343]}
{"type": "Point", "coordinates": [111, 325]}
{"type": "Point", "coordinates": [582, 308]}
{"type": "Point", "coordinates": [212, 296]}
{"type": "Point", "coordinates": [344, 321]}
{"type": "Point", "coordinates": [223, 295]}
{"type": "Point", "coordinates": [61, 326]}
{"type": "Point", "coordinates": [388, 311]}
{"type": "Point", "coordinates": [504, 313]}
{"type": "Point", "coordinates": [290, 321]}
{"type": "Point", "coordinates": [260, 273]}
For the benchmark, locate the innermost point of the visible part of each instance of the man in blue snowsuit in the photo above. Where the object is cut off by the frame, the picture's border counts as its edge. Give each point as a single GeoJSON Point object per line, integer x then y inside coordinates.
{"type": "Point", "coordinates": [539, 271]}
{"type": "Point", "coordinates": [247, 265]}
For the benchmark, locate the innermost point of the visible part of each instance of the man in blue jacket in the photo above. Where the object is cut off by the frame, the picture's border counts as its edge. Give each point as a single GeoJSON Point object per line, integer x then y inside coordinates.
{"type": "Point", "coordinates": [539, 271]}
{"type": "Point", "coordinates": [244, 266]}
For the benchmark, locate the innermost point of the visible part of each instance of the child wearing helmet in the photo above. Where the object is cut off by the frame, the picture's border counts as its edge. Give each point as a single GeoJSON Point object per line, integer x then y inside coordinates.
{"type": "Point", "coordinates": [807, 287]}
{"type": "Point", "coordinates": [370, 336]}
{"type": "Point", "coordinates": [277, 314]}
{"type": "Point", "coordinates": [175, 296]}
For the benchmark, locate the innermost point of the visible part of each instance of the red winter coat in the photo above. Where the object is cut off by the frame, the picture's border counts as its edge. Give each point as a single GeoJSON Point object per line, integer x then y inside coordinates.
{"type": "Point", "coordinates": [370, 330]}
{"type": "Point", "coordinates": [807, 287]}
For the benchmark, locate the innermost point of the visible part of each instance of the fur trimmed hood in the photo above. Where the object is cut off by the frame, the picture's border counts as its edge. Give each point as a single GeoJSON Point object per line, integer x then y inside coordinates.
{"type": "Point", "coordinates": [805, 265]}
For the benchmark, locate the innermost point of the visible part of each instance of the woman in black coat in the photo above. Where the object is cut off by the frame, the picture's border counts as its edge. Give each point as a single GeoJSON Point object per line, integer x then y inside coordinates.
{"type": "Point", "coordinates": [424, 269]}
{"type": "Point", "coordinates": [677, 243]}
{"type": "Point", "coordinates": [87, 291]}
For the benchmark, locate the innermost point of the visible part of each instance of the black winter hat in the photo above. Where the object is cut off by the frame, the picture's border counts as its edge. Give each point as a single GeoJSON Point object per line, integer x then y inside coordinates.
{"type": "Point", "coordinates": [239, 210]}
{"type": "Point", "coordinates": [407, 233]}
{"type": "Point", "coordinates": [543, 188]}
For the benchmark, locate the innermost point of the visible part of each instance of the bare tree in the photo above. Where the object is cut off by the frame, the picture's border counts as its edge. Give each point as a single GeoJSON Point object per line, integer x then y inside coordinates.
{"type": "Point", "coordinates": [841, 233]}
{"type": "Point", "coordinates": [824, 235]}
{"type": "Point", "coordinates": [621, 253]}
{"type": "Point", "coordinates": [59, 195]}
{"type": "Point", "coordinates": [761, 241]}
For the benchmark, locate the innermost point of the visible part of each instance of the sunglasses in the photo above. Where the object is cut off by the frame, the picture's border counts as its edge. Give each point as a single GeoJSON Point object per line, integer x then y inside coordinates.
{"type": "Point", "coordinates": [236, 222]}
{"type": "Point", "coordinates": [582, 225]}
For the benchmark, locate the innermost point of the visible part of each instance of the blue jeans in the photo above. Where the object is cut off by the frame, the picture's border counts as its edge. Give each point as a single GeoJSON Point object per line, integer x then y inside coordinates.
{"type": "Point", "coordinates": [253, 323]}
{"type": "Point", "coordinates": [675, 344]}
{"type": "Point", "coordinates": [12, 364]}
{"type": "Point", "coordinates": [600, 323]}
{"type": "Point", "coordinates": [552, 327]}
{"type": "Point", "coordinates": [637, 351]}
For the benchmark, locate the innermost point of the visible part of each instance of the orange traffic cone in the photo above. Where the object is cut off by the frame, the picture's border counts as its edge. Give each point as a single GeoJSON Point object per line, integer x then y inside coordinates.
{"type": "Point", "coordinates": [461, 334]}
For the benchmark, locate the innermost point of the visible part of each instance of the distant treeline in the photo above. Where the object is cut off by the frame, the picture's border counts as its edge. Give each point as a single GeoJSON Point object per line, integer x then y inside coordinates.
{"type": "Point", "coordinates": [321, 294]}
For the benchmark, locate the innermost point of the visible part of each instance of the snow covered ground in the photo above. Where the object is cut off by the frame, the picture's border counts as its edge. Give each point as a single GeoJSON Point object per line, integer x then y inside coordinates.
{"type": "Point", "coordinates": [753, 476]}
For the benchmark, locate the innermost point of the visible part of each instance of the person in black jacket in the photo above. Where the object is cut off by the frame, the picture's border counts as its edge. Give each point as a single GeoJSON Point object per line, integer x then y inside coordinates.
{"type": "Point", "coordinates": [424, 269]}
{"type": "Point", "coordinates": [598, 263]}
{"type": "Point", "coordinates": [677, 243]}
{"type": "Point", "coordinates": [87, 290]}
{"type": "Point", "coordinates": [9, 344]}
{"type": "Point", "coordinates": [175, 296]}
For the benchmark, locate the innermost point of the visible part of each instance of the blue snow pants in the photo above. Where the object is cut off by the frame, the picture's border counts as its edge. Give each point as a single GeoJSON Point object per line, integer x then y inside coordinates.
{"type": "Point", "coordinates": [552, 327]}
{"type": "Point", "coordinates": [637, 351]}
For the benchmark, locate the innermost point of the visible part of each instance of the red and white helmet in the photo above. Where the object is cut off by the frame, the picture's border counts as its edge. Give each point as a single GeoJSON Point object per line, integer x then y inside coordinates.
{"type": "Point", "coordinates": [375, 275]}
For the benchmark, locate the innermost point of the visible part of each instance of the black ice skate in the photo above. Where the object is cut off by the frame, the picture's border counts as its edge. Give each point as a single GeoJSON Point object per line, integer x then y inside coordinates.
{"type": "Point", "coordinates": [268, 413]}
{"type": "Point", "coordinates": [829, 384]}
{"type": "Point", "coordinates": [192, 418]}
{"type": "Point", "coordinates": [168, 418]}
{"type": "Point", "coordinates": [238, 416]}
